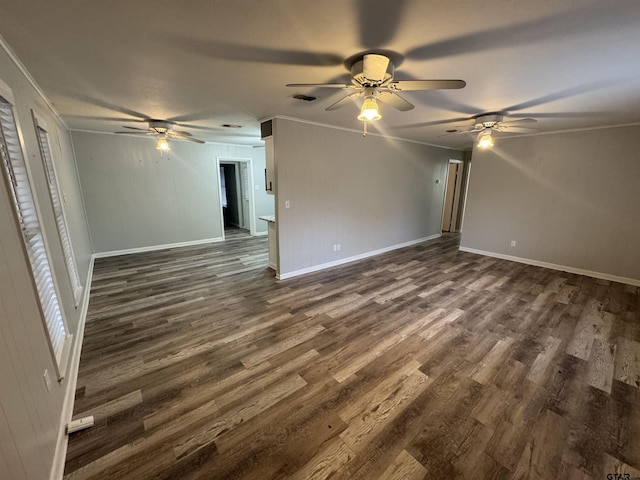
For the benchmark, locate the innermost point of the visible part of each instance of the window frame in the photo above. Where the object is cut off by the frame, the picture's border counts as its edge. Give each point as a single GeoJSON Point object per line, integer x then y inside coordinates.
{"type": "Point", "coordinates": [59, 353]}
{"type": "Point", "coordinates": [57, 198]}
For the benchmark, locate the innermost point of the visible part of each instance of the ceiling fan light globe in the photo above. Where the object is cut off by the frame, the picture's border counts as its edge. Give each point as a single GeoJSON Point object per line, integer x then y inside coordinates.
{"type": "Point", "coordinates": [369, 111]}
{"type": "Point", "coordinates": [485, 141]}
{"type": "Point", "coordinates": [162, 144]}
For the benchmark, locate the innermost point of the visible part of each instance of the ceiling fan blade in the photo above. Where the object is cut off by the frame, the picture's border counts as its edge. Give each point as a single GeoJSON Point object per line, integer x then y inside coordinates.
{"type": "Point", "coordinates": [178, 136]}
{"type": "Point", "coordinates": [395, 100]}
{"type": "Point", "coordinates": [182, 133]}
{"type": "Point", "coordinates": [191, 139]}
{"type": "Point", "coordinates": [374, 67]}
{"type": "Point", "coordinates": [515, 129]}
{"type": "Point", "coordinates": [320, 85]}
{"type": "Point", "coordinates": [343, 101]}
{"type": "Point", "coordinates": [520, 120]}
{"type": "Point", "coordinates": [148, 130]}
{"type": "Point", "coordinates": [139, 133]}
{"type": "Point", "coordinates": [458, 133]}
{"type": "Point", "coordinates": [404, 85]}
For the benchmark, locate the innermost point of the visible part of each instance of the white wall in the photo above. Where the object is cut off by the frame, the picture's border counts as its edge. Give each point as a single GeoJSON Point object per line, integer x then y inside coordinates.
{"type": "Point", "coordinates": [135, 198]}
{"type": "Point", "coordinates": [31, 416]}
{"type": "Point", "coordinates": [365, 194]}
{"type": "Point", "coordinates": [569, 199]}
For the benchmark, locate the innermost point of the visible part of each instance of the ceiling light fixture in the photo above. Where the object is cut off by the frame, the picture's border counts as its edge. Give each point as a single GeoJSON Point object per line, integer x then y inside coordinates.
{"type": "Point", "coordinates": [485, 140]}
{"type": "Point", "coordinates": [162, 144]}
{"type": "Point", "coordinates": [369, 111]}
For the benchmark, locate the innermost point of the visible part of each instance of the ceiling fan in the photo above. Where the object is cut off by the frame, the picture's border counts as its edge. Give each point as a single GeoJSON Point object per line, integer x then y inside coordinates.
{"type": "Point", "coordinates": [372, 78]}
{"type": "Point", "coordinates": [486, 124]}
{"type": "Point", "coordinates": [164, 130]}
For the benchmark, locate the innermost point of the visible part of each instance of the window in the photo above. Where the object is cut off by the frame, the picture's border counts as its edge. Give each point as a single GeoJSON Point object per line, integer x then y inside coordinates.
{"type": "Point", "coordinates": [15, 172]}
{"type": "Point", "coordinates": [54, 192]}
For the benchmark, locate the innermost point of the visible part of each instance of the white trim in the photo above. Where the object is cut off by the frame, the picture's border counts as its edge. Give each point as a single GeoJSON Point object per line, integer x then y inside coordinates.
{"type": "Point", "coordinates": [69, 257]}
{"type": "Point", "coordinates": [359, 131]}
{"type": "Point", "coordinates": [250, 138]}
{"type": "Point", "coordinates": [569, 130]}
{"type": "Point", "coordinates": [152, 248]}
{"type": "Point", "coordinates": [14, 58]}
{"type": "Point", "coordinates": [453, 200]}
{"type": "Point", "coordinates": [444, 193]}
{"type": "Point", "coordinates": [252, 198]}
{"type": "Point", "coordinates": [60, 364]}
{"type": "Point", "coordinates": [555, 266]}
{"type": "Point", "coordinates": [261, 234]}
{"type": "Point", "coordinates": [60, 454]}
{"type": "Point", "coordinates": [220, 197]}
{"type": "Point", "coordinates": [466, 171]}
{"type": "Point", "coordinates": [342, 261]}
{"type": "Point", "coordinates": [6, 91]}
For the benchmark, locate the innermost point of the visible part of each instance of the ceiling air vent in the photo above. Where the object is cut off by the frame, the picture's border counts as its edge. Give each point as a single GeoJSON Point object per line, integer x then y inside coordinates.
{"type": "Point", "coordinates": [306, 98]}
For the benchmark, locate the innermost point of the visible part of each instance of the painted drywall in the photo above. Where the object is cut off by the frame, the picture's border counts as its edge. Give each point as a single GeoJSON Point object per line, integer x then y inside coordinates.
{"type": "Point", "coordinates": [136, 198]}
{"type": "Point", "coordinates": [365, 194]}
{"type": "Point", "coordinates": [569, 199]}
{"type": "Point", "coordinates": [31, 416]}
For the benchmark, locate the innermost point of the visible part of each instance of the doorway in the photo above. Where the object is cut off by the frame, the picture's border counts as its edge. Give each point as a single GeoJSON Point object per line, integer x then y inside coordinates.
{"type": "Point", "coordinates": [451, 213]}
{"type": "Point", "coordinates": [236, 197]}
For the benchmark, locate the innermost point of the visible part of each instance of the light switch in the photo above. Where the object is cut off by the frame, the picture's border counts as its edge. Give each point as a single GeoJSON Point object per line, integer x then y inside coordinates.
{"type": "Point", "coordinates": [286, 204]}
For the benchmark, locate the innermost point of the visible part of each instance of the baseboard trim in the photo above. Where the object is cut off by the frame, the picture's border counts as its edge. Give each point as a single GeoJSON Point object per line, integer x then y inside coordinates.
{"type": "Point", "coordinates": [60, 456]}
{"type": "Point", "coordinates": [555, 266]}
{"type": "Point", "coordinates": [355, 258]}
{"type": "Point", "coordinates": [260, 234]}
{"type": "Point", "coordinates": [152, 248]}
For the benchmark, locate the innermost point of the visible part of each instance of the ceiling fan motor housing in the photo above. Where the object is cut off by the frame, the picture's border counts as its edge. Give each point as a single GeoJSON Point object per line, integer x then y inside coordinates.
{"type": "Point", "coordinates": [358, 77]}
{"type": "Point", "coordinates": [488, 121]}
{"type": "Point", "coordinates": [159, 126]}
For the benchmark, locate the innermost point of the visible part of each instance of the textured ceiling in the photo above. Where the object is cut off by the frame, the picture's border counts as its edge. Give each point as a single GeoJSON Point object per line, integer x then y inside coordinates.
{"type": "Point", "coordinates": [568, 64]}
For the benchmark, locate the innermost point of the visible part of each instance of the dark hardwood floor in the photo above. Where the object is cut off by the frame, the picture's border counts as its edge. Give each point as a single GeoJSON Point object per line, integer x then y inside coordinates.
{"type": "Point", "coordinates": [424, 362]}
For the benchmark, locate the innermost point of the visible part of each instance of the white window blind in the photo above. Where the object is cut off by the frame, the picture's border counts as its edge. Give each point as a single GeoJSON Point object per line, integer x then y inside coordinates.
{"type": "Point", "coordinates": [54, 192]}
{"type": "Point", "coordinates": [15, 170]}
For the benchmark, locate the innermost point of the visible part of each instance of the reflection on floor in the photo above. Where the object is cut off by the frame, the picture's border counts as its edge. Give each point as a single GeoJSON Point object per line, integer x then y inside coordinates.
{"type": "Point", "coordinates": [231, 233]}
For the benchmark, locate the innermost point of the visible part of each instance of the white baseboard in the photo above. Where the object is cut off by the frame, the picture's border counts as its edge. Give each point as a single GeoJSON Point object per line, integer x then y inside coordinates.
{"type": "Point", "coordinates": [152, 248]}
{"type": "Point", "coordinates": [554, 266]}
{"type": "Point", "coordinates": [260, 234]}
{"type": "Point", "coordinates": [342, 261]}
{"type": "Point", "coordinates": [60, 456]}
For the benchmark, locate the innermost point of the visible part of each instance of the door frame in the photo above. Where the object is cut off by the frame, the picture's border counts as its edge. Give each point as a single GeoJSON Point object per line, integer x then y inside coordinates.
{"type": "Point", "coordinates": [459, 190]}
{"type": "Point", "coordinates": [249, 182]}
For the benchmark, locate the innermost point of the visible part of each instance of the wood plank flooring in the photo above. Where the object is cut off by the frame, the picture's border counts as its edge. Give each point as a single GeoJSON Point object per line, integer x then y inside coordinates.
{"type": "Point", "coordinates": [422, 363]}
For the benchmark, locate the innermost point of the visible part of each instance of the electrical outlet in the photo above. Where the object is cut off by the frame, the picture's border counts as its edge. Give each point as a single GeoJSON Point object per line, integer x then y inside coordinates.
{"type": "Point", "coordinates": [513, 243]}
{"type": "Point", "coordinates": [47, 380]}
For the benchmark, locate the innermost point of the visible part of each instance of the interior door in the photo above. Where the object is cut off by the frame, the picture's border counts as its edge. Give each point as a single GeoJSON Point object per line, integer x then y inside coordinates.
{"type": "Point", "coordinates": [452, 197]}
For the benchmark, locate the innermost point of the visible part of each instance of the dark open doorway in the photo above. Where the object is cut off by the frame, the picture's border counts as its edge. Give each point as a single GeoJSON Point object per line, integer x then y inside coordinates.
{"type": "Point", "coordinates": [235, 197]}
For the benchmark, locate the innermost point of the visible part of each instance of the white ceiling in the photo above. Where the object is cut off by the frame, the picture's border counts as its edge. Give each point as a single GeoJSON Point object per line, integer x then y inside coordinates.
{"type": "Point", "coordinates": [203, 63]}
